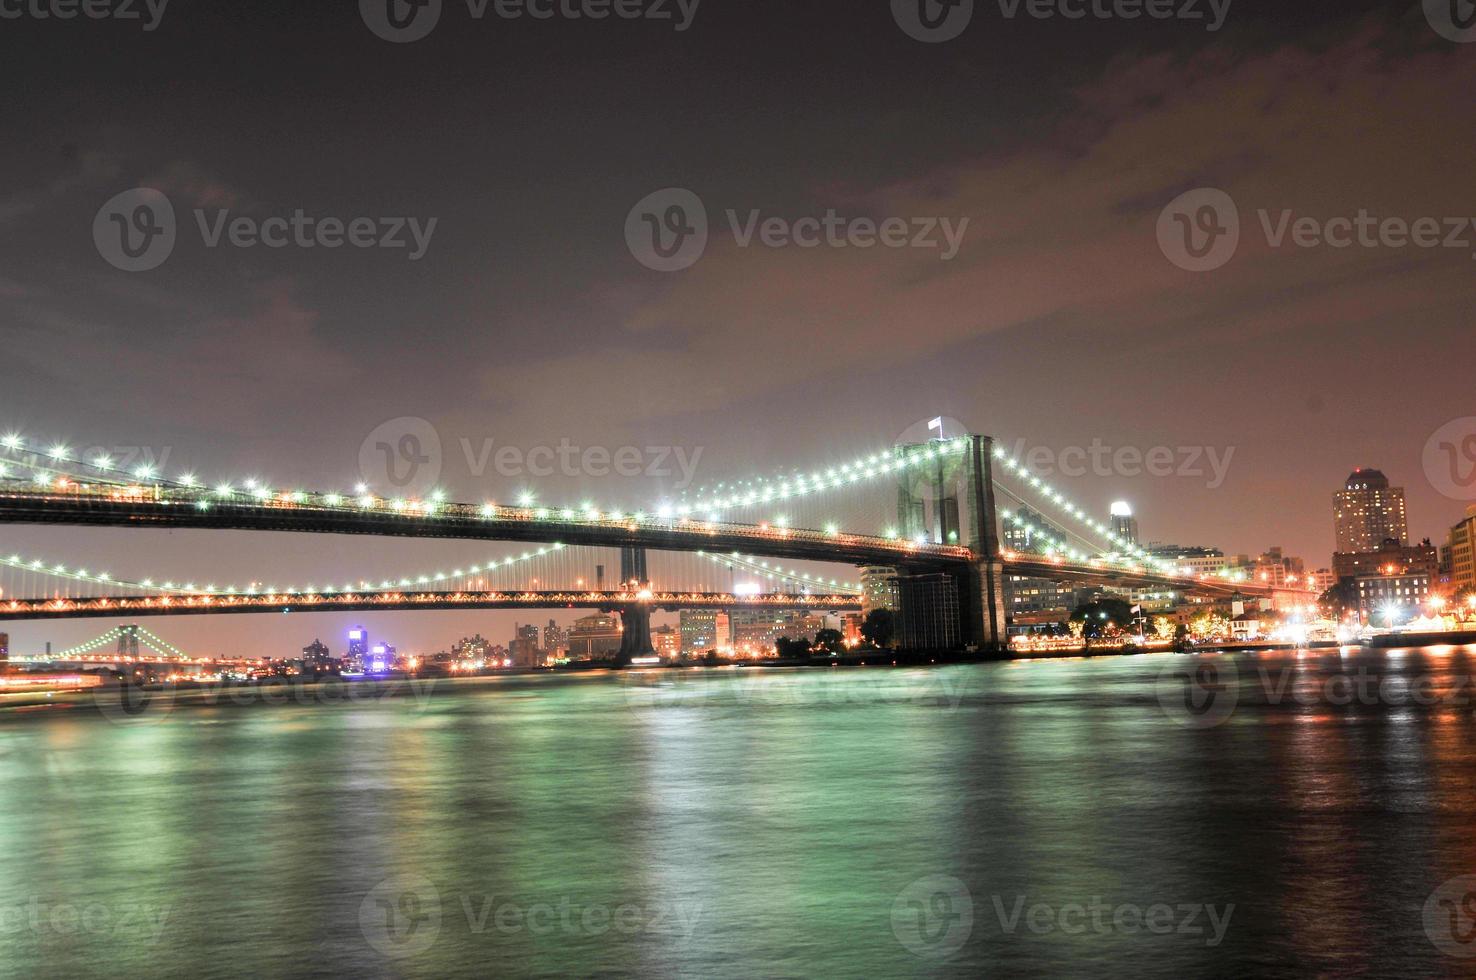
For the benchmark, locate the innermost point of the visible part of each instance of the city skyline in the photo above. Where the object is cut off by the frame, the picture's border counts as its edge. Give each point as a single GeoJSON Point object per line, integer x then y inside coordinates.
{"type": "Point", "coordinates": [484, 339]}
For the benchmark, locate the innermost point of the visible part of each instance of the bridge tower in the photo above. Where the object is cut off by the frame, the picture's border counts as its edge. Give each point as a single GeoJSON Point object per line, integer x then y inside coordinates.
{"type": "Point", "coordinates": [981, 592]}
{"type": "Point", "coordinates": [128, 641]}
{"type": "Point", "coordinates": [635, 639]}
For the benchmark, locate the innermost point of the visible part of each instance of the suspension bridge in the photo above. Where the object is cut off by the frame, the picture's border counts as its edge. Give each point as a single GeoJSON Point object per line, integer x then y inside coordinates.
{"type": "Point", "coordinates": [924, 517]}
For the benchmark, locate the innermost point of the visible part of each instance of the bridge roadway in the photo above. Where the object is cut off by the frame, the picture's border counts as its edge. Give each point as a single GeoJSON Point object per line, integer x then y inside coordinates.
{"type": "Point", "coordinates": [322, 513]}
{"type": "Point", "coordinates": [203, 605]}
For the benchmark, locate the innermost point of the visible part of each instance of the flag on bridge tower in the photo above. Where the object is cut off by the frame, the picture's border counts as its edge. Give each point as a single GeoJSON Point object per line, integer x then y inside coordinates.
{"type": "Point", "coordinates": [937, 423]}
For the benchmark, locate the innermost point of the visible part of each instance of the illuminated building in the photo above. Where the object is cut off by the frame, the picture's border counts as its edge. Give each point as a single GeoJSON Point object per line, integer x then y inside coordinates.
{"type": "Point", "coordinates": [594, 637]}
{"type": "Point", "coordinates": [1124, 524]}
{"type": "Point", "coordinates": [1391, 556]}
{"type": "Point", "coordinates": [1367, 512]}
{"type": "Point", "coordinates": [524, 647]}
{"type": "Point", "coordinates": [1027, 598]}
{"type": "Point", "coordinates": [380, 659]}
{"type": "Point", "coordinates": [1275, 568]}
{"type": "Point", "coordinates": [1405, 592]}
{"type": "Point", "coordinates": [879, 588]}
{"type": "Point", "coordinates": [555, 639]}
{"type": "Point", "coordinates": [667, 642]}
{"type": "Point", "coordinates": [698, 628]}
{"type": "Point", "coordinates": [4, 652]}
{"type": "Point", "coordinates": [722, 631]}
{"type": "Point", "coordinates": [317, 658]}
{"type": "Point", "coordinates": [1462, 551]}
{"type": "Point", "coordinates": [358, 648]}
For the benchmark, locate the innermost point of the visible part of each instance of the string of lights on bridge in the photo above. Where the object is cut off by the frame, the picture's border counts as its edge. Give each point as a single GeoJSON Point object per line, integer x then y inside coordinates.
{"type": "Point", "coordinates": [107, 474]}
{"type": "Point", "coordinates": [57, 570]}
{"type": "Point", "coordinates": [38, 566]}
{"type": "Point", "coordinates": [117, 633]}
{"type": "Point", "coordinates": [862, 469]}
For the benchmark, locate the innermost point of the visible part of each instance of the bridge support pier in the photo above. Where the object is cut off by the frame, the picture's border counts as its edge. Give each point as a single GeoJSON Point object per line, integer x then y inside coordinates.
{"type": "Point", "coordinates": [635, 639]}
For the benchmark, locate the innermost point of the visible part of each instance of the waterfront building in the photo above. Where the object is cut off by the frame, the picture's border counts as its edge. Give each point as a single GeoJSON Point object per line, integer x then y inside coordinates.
{"type": "Point", "coordinates": [1391, 556]}
{"type": "Point", "coordinates": [667, 642]}
{"type": "Point", "coordinates": [1404, 593]}
{"type": "Point", "coordinates": [524, 647]}
{"type": "Point", "coordinates": [594, 637]}
{"type": "Point", "coordinates": [1368, 511]}
{"type": "Point", "coordinates": [1461, 548]}
{"type": "Point", "coordinates": [358, 647]}
{"type": "Point", "coordinates": [931, 618]}
{"type": "Point", "coordinates": [698, 628]}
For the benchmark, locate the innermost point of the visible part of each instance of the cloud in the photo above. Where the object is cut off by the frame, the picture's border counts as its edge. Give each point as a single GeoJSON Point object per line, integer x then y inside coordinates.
{"type": "Point", "coordinates": [1064, 226]}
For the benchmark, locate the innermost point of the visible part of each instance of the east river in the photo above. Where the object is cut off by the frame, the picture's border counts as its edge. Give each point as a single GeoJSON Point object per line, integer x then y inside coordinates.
{"type": "Point", "coordinates": [1268, 814]}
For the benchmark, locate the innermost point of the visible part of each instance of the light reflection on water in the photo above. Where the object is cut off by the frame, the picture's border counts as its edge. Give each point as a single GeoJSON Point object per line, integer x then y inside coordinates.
{"type": "Point", "coordinates": [744, 823]}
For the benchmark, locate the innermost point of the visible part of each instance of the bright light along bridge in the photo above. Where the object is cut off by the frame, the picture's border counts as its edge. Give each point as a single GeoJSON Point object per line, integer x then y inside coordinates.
{"type": "Point", "coordinates": [939, 504]}
{"type": "Point", "coordinates": [199, 605]}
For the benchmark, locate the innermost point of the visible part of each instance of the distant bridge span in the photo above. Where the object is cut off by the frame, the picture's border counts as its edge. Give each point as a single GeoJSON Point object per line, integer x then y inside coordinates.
{"type": "Point", "coordinates": [206, 605]}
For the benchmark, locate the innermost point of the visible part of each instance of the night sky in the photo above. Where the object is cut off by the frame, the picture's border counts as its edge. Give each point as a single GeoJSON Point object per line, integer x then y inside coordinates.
{"type": "Point", "coordinates": [528, 320]}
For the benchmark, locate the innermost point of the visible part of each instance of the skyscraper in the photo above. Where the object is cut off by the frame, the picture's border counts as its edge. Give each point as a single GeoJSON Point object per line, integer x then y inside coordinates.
{"type": "Point", "coordinates": [1124, 524]}
{"type": "Point", "coordinates": [1367, 512]}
